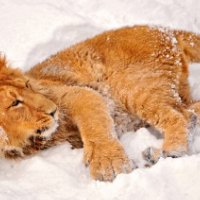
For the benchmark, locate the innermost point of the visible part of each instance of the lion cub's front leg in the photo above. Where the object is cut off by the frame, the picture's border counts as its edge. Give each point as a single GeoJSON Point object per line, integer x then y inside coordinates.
{"type": "Point", "coordinates": [102, 152]}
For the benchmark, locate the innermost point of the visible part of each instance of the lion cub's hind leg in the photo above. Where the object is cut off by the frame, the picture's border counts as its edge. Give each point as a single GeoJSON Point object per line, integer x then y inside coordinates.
{"type": "Point", "coordinates": [174, 124]}
{"type": "Point", "coordinates": [155, 99]}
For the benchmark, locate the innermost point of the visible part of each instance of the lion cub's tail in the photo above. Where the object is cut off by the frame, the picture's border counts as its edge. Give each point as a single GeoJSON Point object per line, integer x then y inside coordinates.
{"type": "Point", "coordinates": [190, 43]}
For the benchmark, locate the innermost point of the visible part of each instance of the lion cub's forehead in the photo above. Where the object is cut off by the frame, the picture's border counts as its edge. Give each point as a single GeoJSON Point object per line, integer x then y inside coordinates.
{"type": "Point", "coordinates": [8, 93]}
{"type": "Point", "coordinates": [14, 82]}
{"type": "Point", "coordinates": [13, 77]}
{"type": "Point", "coordinates": [9, 90]}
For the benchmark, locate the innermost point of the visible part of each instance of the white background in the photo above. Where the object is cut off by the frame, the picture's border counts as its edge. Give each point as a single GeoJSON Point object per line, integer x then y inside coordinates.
{"type": "Point", "coordinates": [30, 31]}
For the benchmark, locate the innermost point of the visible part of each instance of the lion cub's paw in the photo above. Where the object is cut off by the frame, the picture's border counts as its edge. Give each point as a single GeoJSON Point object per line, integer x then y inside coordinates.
{"type": "Point", "coordinates": [152, 155]}
{"type": "Point", "coordinates": [106, 160]}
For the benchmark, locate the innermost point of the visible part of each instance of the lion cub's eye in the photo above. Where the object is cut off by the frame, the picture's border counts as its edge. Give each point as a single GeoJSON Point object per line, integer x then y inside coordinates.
{"type": "Point", "coordinates": [16, 103]}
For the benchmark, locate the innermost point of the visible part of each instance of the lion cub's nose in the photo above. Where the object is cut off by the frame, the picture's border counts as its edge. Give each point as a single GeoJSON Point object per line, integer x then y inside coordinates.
{"type": "Point", "coordinates": [53, 112]}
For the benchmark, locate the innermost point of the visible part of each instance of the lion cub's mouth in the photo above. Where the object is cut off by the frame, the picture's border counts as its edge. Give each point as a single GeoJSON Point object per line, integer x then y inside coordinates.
{"type": "Point", "coordinates": [46, 132]}
{"type": "Point", "coordinates": [37, 142]}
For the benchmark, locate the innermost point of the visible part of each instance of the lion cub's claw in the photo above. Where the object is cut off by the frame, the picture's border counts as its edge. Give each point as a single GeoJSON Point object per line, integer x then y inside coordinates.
{"type": "Point", "coordinates": [108, 169]}
{"type": "Point", "coordinates": [107, 160]}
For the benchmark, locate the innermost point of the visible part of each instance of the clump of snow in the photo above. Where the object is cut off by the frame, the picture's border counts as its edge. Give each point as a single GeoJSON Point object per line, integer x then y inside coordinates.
{"type": "Point", "coordinates": [30, 32]}
{"type": "Point", "coordinates": [135, 143]}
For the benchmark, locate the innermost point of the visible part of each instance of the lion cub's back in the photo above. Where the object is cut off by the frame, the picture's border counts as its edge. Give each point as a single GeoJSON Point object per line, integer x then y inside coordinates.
{"type": "Point", "coordinates": [138, 44]}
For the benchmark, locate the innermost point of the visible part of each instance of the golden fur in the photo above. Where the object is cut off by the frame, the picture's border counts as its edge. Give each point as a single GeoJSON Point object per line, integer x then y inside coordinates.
{"type": "Point", "coordinates": [130, 76]}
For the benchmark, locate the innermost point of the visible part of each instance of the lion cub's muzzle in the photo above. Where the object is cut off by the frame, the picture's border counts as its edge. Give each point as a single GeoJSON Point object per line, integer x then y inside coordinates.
{"type": "Point", "coordinates": [37, 140]}
{"type": "Point", "coordinates": [47, 130]}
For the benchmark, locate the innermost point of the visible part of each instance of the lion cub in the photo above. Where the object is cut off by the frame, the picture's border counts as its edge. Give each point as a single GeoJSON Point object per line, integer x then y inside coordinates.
{"type": "Point", "coordinates": [117, 81]}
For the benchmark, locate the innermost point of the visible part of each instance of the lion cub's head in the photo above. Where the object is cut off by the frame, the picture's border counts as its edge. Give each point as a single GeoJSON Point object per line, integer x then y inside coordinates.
{"type": "Point", "coordinates": [25, 115]}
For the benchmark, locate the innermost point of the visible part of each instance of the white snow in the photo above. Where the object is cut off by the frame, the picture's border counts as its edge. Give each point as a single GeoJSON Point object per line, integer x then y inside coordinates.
{"type": "Point", "coordinates": [30, 31]}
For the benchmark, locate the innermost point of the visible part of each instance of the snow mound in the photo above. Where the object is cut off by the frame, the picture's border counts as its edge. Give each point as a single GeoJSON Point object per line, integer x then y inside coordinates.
{"type": "Point", "coordinates": [30, 32]}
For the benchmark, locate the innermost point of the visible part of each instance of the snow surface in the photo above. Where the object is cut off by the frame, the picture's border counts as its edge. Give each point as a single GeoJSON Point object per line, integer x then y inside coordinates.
{"type": "Point", "coordinates": [30, 31]}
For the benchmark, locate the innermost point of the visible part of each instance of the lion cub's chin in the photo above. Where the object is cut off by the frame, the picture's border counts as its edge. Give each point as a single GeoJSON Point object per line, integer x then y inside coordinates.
{"type": "Point", "coordinates": [35, 142]}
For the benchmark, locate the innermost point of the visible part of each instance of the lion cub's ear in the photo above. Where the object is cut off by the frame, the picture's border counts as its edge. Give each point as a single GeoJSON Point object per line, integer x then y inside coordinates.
{"type": "Point", "coordinates": [3, 62]}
